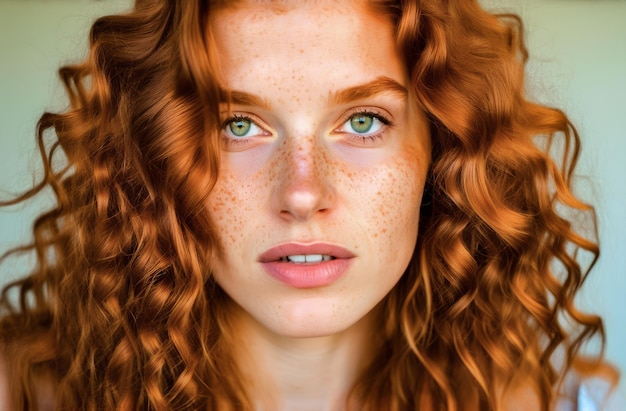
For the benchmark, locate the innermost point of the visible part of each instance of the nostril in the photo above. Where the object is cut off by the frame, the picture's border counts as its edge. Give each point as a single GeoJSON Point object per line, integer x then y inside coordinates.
{"type": "Point", "coordinates": [323, 210]}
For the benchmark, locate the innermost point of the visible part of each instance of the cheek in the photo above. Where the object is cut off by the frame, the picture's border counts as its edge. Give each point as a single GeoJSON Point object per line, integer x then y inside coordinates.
{"type": "Point", "coordinates": [240, 196]}
{"type": "Point", "coordinates": [392, 197]}
{"type": "Point", "coordinates": [232, 206]}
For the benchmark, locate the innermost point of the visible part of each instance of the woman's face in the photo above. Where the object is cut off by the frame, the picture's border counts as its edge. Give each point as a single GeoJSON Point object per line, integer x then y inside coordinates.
{"type": "Point", "coordinates": [325, 154]}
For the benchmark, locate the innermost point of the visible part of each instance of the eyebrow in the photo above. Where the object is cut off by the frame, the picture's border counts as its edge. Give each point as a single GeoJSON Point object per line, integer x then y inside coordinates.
{"type": "Point", "coordinates": [379, 85]}
{"type": "Point", "coordinates": [362, 91]}
{"type": "Point", "coordinates": [243, 99]}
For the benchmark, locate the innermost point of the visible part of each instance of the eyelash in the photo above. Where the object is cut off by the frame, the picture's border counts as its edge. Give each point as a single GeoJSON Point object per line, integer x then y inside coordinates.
{"type": "Point", "coordinates": [354, 137]}
{"type": "Point", "coordinates": [238, 117]}
{"type": "Point", "coordinates": [366, 138]}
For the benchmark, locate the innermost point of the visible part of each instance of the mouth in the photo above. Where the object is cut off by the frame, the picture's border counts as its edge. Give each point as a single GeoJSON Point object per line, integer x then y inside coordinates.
{"type": "Point", "coordinates": [307, 265]}
{"type": "Point", "coordinates": [298, 253]}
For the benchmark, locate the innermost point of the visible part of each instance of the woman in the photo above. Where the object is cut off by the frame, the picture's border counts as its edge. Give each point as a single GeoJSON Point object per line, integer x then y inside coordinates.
{"type": "Point", "coordinates": [287, 205]}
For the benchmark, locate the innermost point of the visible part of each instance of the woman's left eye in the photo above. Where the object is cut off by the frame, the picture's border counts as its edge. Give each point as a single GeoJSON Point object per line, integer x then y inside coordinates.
{"type": "Point", "coordinates": [363, 123]}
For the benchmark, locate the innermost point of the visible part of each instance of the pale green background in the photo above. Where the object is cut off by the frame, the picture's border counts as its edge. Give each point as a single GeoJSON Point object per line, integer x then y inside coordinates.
{"type": "Point", "coordinates": [578, 62]}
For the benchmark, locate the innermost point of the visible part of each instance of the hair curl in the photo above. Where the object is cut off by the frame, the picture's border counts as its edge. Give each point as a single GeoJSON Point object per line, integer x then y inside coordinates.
{"type": "Point", "coordinates": [121, 311]}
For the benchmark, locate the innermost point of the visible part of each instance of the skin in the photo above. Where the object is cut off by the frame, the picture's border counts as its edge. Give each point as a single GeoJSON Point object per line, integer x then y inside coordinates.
{"type": "Point", "coordinates": [303, 175]}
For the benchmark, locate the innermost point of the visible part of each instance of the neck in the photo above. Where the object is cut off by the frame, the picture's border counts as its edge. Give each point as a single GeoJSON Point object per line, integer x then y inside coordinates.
{"type": "Point", "coordinates": [287, 373]}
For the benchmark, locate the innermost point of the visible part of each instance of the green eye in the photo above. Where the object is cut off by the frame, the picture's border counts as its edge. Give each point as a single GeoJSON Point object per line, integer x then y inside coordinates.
{"type": "Point", "coordinates": [362, 123]}
{"type": "Point", "coordinates": [240, 127]}
{"type": "Point", "coordinates": [363, 126]}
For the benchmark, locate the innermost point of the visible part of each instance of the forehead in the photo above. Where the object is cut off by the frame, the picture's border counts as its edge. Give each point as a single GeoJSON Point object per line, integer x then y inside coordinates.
{"type": "Point", "coordinates": [328, 40]}
{"type": "Point", "coordinates": [283, 6]}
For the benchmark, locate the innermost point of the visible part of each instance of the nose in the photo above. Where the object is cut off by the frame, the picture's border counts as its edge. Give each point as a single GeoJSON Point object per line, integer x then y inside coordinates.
{"type": "Point", "coordinates": [304, 186]}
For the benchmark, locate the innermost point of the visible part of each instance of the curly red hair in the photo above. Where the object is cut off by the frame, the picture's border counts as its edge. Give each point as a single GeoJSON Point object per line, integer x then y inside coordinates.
{"type": "Point", "coordinates": [121, 311]}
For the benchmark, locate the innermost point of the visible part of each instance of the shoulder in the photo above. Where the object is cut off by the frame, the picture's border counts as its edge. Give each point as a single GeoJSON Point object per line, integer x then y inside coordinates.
{"type": "Point", "coordinates": [591, 391]}
{"type": "Point", "coordinates": [586, 386]}
{"type": "Point", "coordinates": [598, 395]}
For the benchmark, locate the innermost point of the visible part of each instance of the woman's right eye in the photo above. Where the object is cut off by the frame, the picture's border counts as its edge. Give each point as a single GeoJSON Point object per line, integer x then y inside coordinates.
{"type": "Point", "coordinates": [242, 127]}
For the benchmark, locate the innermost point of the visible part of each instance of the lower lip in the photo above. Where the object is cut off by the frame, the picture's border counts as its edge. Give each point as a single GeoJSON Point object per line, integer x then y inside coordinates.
{"type": "Point", "coordinates": [308, 275]}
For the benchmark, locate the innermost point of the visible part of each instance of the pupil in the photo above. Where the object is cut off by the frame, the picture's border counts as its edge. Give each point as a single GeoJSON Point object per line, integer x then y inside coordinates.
{"type": "Point", "coordinates": [240, 127]}
{"type": "Point", "coordinates": [362, 123]}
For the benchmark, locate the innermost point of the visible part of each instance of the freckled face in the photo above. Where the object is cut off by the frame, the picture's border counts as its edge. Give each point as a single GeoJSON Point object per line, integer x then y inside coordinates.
{"type": "Point", "coordinates": [323, 148]}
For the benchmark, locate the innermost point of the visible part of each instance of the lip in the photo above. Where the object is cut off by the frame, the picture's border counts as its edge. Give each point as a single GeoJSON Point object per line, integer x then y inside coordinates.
{"type": "Point", "coordinates": [311, 275]}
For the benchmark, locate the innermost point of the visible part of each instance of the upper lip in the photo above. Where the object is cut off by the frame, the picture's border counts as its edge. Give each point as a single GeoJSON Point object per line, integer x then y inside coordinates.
{"type": "Point", "coordinates": [284, 250]}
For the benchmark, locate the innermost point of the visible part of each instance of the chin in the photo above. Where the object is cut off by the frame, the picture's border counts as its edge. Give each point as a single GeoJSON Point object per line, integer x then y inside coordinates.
{"type": "Point", "coordinates": [317, 319]}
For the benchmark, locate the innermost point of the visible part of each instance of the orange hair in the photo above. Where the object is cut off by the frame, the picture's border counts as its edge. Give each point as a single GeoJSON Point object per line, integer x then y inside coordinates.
{"type": "Point", "coordinates": [121, 311]}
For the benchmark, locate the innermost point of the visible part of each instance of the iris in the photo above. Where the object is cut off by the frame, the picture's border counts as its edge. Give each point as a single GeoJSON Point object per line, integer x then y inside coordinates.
{"type": "Point", "coordinates": [362, 123]}
{"type": "Point", "coordinates": [240, 127]}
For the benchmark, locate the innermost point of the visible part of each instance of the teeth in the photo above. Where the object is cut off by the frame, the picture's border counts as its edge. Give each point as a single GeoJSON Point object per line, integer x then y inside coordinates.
{"type": "Point", "coordinates": [296, 258]}
{"type": "Point", "coordinates": [310, 258]}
